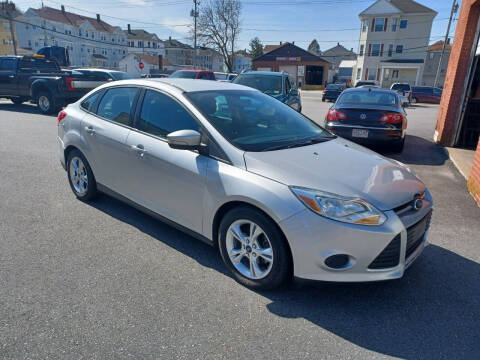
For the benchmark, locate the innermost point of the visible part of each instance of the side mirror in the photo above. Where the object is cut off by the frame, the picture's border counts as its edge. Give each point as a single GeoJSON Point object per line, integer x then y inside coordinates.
{"type": "Point", "coordinates": [184, 140]}
{"type": "Point", "coordinates": [293, 92]}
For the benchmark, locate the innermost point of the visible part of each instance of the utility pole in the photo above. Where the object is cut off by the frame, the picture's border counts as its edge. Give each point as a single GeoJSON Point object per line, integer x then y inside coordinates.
{"type": "Point", "coordinates": [194, 14]}
{"type": "Point", "coordinates": [452, 12]}
{"type": "Point", "coordinates": [9, 9]}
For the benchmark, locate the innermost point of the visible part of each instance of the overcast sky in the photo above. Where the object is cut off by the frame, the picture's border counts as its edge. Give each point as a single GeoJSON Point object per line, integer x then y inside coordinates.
{"type": "Point", "coordinates": [271, 20]}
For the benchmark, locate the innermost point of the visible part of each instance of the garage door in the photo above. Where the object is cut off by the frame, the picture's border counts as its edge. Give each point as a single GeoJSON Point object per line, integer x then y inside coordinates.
{"type": "Point", "coordinates": [291, 70]}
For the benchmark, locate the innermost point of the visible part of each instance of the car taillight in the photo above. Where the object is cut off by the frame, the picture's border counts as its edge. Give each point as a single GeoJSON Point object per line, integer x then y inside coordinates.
{"type": "Point", "coordinates": [392, 118]}
{"type": "Point", "coordinates": [336, 115]}
{"type": "Point", "coordinates": [324, 91]}
{"type": "Point", "coordinates": [61, 115]}
{"type": "Point", "coordinates": [69, 83]}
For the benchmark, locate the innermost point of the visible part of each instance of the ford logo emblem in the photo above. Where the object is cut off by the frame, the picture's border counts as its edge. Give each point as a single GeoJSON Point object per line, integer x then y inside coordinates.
{"type": "Point", "coordinates": [363, 116]}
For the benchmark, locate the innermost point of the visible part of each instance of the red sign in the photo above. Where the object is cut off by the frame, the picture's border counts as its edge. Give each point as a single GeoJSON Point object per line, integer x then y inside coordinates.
{"type": "Point", "coordinates": [140, 65]}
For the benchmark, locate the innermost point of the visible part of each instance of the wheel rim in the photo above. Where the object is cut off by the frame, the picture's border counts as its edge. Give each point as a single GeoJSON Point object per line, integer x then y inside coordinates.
{"type": "Point", "coordinates": [44, 103]}
{"type": "Point", "coordinates": [414, 101]}
{"type": "Point", "coordinates": [249, 249]}
{"type": "Point", "coordinates": [78, 176]}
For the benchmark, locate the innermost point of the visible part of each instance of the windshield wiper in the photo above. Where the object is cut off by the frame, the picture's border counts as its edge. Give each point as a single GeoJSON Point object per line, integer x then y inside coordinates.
{"type": "Point", "coordinates": [299, 144]}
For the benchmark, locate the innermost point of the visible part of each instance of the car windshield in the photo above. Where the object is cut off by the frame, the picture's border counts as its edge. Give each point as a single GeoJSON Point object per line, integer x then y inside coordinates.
{"type": "Point", "coordinates": [253, 121]}
{"type": "Point", "coordinates": [334, 87]}
{"type": "Point", "coordinates": [268, 84]}
{"type": "Point", "coordinates": [184, 74]}
{"type": "Point", "coordinates": [367, 97]}
{"type": "Point", "coordinates": [401, 87]}
{"type": "Point", "coordinates": [118, 75]}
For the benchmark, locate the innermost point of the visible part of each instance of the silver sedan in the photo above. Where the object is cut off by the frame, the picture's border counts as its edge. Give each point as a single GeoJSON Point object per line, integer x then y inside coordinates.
{"type": "Point", "coordinates": [276, 193]}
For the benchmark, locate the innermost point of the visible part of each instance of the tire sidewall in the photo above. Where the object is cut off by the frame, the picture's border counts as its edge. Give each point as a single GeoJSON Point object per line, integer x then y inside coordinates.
{"type": "Point", "coordinates": [281, 267]}
{"type": "Point", "coordinates": [51, 108]}
{"type": "Point", "coordinates": [92, 185]}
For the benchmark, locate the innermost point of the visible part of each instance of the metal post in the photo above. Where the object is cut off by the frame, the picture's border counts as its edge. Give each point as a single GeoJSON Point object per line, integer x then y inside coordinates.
{"type": "Point", "coordinates": [453, 11]}
{"type": "Point", "coordinates": [194, 13]}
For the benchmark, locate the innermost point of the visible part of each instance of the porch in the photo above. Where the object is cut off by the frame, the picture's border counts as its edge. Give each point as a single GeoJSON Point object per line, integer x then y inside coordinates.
{"type": "Point", "coordinates": [400, 71]}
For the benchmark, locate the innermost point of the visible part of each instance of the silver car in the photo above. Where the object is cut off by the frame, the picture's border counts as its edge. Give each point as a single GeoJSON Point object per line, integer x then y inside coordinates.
{"type": "Point", "coordinates": [276, 193]}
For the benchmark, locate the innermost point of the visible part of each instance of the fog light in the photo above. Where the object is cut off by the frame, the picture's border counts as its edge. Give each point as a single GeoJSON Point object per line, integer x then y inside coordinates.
{"type": "Point", "coordinates": [337, 261]}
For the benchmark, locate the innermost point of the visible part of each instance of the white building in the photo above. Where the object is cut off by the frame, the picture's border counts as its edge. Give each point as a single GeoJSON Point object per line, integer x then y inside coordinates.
{"type": "Point", "coordinates": [394, 37]}
{"type": "Point", "coordinates": [141, 41]}
{"type": "Point", "coordinates": [131, 64]}
{"type": "Point", "coordinates": [90, 41]}
{"type": "Point", "coordinates": [242, 61]}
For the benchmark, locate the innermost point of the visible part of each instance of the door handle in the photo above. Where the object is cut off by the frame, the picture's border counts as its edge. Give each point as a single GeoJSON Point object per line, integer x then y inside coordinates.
{"type": "Point", "coordinates": [139, 149]}
{"type": "Point", "coordinates": [90, 130]}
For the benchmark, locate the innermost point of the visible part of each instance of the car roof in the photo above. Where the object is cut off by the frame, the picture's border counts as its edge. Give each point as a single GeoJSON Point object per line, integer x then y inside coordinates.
{"type": "Point", "coordinates": [185, 85]}
{"type": "Point", "coordinates": [272, 73]}
{"type": "Point", "coordinates": [96, 69]}
{"type": "Point", "coordinates": [367, 89]}
{"type": "Point", "coordinates": [193, 70]}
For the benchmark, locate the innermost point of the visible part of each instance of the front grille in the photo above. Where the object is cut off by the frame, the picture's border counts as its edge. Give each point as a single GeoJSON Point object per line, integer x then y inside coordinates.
{"type": "Point", "coordinates": [415, 234]}
{"type": "Point", "coordinates": [389, 257]}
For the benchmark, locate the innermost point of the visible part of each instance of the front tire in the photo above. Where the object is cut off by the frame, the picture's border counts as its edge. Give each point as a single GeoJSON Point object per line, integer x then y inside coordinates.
{"type": "Point", "coordinates": [80, 176]}
{"type": "Point", "coordinates": [253, 249]}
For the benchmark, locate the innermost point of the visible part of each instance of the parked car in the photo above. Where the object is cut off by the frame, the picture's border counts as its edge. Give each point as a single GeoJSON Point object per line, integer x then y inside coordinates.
{"type": "Point", "coordinates": [194, 74]}
{"type": "Point", "coordinates": [364, 83]}
{"type": "Point", "coordinates": [426, 94]}
{"type": "Point", "coordinates": [90, 78]}
{"type": "Point", "coordinates": [275, 84]}
{"type": "Point", "coordinates": [154, 76]}
{"type": "Point", "coordinates": [39, 80]}
{"type": "Point", "coordinates": [221, 76]}
{"type": "Point", "coordinates": [369, 116]}
{"type": "Point", "coordinates": [405, 91]}
{"type": "Point", "coordinates": [332, 91]}
{"type": "Point", "coordinates": [278, 195]}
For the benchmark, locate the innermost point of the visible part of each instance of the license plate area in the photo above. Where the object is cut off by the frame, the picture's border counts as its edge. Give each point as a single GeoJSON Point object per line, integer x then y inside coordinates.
{"type": "Point", "coordinates": [360, 133]}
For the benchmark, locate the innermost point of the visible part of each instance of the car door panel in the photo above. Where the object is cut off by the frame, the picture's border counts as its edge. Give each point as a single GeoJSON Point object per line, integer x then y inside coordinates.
{"type": "Point", "coordinates": [8, 77]}
{"type": "Point", "coordinates": [167, 181]}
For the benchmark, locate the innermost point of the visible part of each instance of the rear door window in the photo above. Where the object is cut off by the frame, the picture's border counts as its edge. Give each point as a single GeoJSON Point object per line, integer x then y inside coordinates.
{"type": "Point", "coordinates": [116, 105]}
{"type": "Point", "coordinates": [89, 102]}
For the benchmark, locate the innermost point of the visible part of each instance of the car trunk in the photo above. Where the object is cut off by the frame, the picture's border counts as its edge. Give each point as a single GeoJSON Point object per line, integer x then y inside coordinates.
{"type": "Point", "coordinates": [365, 116]}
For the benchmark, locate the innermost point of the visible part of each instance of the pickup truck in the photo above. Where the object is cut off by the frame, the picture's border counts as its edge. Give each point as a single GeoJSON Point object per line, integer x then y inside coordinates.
{"type": "Point", "coordinates": [38, 80]}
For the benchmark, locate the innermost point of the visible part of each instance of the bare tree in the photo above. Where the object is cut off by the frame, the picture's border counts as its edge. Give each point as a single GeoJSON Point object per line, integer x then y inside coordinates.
{"type": "Point", "coordinates": [219, 26]}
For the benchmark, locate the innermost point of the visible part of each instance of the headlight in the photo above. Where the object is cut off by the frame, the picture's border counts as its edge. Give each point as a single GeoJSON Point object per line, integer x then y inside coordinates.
{"type": "Point", "coordinates": [340, 208]}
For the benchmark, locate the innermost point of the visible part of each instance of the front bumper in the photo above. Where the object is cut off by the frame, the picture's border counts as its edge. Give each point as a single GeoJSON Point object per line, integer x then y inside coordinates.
{"type": "Point", "coordinates": [313, 239]}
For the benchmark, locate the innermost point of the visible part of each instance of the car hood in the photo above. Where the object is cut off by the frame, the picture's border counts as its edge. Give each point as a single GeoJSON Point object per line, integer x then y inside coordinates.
{"type": "Point", "coordinates": [340, 167]}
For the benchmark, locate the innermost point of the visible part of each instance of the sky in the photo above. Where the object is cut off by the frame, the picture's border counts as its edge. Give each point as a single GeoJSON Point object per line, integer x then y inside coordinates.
{"type": "Point", "coordinates": [301, 21]}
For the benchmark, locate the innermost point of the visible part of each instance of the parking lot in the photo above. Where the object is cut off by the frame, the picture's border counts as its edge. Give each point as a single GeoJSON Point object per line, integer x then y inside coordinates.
{"type": "Point", "coordinates": [103, 280]}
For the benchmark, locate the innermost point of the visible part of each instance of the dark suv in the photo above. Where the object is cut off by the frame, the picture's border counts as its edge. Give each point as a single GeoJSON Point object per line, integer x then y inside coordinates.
{"type": "Point", "coordinates": [275, 84]}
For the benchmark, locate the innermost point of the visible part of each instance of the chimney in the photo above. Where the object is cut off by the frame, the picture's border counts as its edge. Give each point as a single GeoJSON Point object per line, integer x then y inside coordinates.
{"type": "Point", "coordinates": [280, 43]}
{"type": "Point", "coordinates": [63, 9]}
{"type": "Point", "coordinates": [98, 17]}
{"type": "Point", "coordinates": [293, 42]}
{"type": "Point", "coordinates": [338, 44]}
{"type": "Point", "coordinates": [129, 29]}
{"type": "Point", "coordinates": [351, 49]}
{"type": "Point", "coordinates": [448, 41]}
{"type": "Point", "coordinates": [169, 38]}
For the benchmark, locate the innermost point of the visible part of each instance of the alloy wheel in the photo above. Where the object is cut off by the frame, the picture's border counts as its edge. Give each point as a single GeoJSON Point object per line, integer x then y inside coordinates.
{"type": "Point", "coordinates": [78, 176]}
{"type": "Point", "coordinates": [44, 103]}
{"type": "Point", "coordinates": [249, 249]}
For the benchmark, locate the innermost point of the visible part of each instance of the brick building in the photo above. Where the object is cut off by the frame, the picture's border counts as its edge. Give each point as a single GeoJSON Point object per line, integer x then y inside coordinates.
{"type": "Point", "coordinates": [302, 66]}
{"type": "Point", "coordinates": [458, 121]}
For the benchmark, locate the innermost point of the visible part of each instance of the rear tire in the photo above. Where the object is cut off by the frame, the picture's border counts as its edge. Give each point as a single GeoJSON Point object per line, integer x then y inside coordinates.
{"type": "Point", "coordinates": [80, 176]}
{"type": "Point", "coordinates": [45, 102]}
{"type": "Point", "coordinates": [398, 147]}
{"type": "Point", "coordinates": [414, 100]}
{"type": "Point", "coordinates": [259, 259]}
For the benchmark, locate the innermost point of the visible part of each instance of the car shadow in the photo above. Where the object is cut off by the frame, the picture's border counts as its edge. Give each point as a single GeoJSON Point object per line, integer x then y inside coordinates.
{"type": "Point", "coordinates": [432, 312]}
{"type": "Point", "coordinates": [417, 151]}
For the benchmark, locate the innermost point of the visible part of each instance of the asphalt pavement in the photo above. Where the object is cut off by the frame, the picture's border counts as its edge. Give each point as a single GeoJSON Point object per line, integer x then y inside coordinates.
{"type": "Point", "coordinates": [103, 280]}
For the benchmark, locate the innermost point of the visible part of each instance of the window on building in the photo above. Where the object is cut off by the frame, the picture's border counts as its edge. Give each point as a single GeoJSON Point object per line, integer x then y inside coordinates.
{"type": "Point", "coordinates": [359, 73]}
{"type": "Point", "coordinates": [362, 49]}
{"type": "Point", "coordinates": [431, 55]}
{"type": "Point", "coordinates": [403, 24]}
{"type": "Point", "coordinates": [394, 24]}
{"type": "Point", "coordinates": [79, 32]}
{"type": "Point", "coordinates": [399, 49]}
{"type": "Point", "coordinates": [364, 25]}
{"type": "Point", "coordinates": [395, 74]}
{"type": "Point", "coordinates": [379, 24]}
{"type": "Point", "coordinates": [390, 50]}
{"type": "Point", "coordinates": [372, 74]}
{"type": "Point", "coordinates": [375, 50]}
